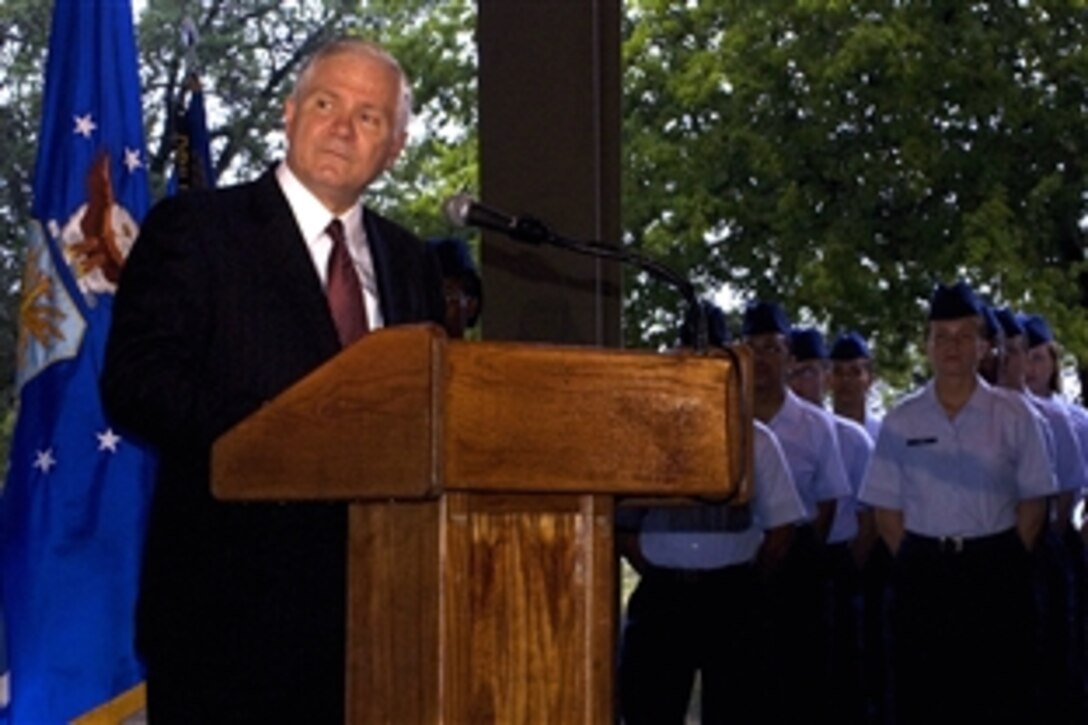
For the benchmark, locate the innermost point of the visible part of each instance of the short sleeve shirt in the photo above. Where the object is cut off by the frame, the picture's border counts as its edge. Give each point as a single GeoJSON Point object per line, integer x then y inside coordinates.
{"type": "Point", "coordinates": [807, 435]}
{"type": "Point", "coordinates": [962, 476]}
{"type": "Point", "coordinates": [1069, 466]}
{"type": "Point", "coordinates": [704, 537]}
{"type": "Point", "coordinates": [856, 447]}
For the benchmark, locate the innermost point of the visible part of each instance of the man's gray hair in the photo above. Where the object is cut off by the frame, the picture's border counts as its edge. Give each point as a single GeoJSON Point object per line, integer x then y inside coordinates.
{"type": "Point", "coordinates": [367, 49]}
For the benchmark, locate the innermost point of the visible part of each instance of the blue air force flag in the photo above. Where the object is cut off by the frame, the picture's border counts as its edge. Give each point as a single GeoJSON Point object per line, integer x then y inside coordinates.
{"type": "Point", "coordinates": [73, 510]}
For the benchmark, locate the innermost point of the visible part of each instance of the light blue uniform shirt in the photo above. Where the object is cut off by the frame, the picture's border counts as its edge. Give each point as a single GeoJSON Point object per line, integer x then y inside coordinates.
{"type": "Point", "coordinates": [856, 447]}
{"type": "Point", "coordinates": [696, 537]}
{"type": "Point", "coordinates": [872, 425]}
{"type": "Point", "coordinates": [807, 435]}
{"type": "Point", "coordinates": [1068, 457]}
{"type": "Point", "coordinates": [1079, 418]}
{"type": "Point", "coordinates": [958, 477]}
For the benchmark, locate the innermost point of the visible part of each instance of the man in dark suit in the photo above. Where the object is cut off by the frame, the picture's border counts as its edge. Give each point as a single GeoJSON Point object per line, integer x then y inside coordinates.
{"type": "Point", "coordinates": [221, 306]}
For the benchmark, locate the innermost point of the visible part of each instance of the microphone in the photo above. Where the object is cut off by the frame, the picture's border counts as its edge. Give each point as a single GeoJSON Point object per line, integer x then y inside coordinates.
{"type": "Point", "coordinates": [464, 211]}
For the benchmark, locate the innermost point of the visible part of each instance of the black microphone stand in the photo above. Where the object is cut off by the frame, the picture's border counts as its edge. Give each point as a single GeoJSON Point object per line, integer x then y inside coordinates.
{"type": "Point", "coordinates": [532, 230]}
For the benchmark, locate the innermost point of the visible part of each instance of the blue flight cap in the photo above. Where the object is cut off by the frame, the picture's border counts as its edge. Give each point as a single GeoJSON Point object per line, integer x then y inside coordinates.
{"type": "Point", "coordinates": [806, 343]}
{"type": "Point", "coordinates": [761, 318]}
{"type": "Point", "coordinates": [453, 256]}
{"type": "Point", "coordinates": [1009, 321]}
{"type": "Point", "coordinates": [953, 303]}
{"type": "Point", "coordinates": [717, 330]}
{"type": "Point", "coordinates": [850, 346]}
{"type": "Point", "coordinates": [1037, 330]}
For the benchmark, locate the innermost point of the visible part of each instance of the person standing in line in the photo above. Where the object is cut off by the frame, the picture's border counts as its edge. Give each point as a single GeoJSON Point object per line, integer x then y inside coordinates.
{"type": "Point", "coordinates": [1058, 676]}
{"type": "Point", "coordinates": [810, 443]}
{"type": "Point", "coordinates": [808, 377]}
{"type": "Point", "coordinates": [1043, 378]}
{"type": "Point", "coordinates": [959, 480]}
{"type": "Point", "coordinates": [851, 380]}
{"type": "Point", "coordinates": [700, 568]}
{"type": "Point", "coordinates": [228, 297]}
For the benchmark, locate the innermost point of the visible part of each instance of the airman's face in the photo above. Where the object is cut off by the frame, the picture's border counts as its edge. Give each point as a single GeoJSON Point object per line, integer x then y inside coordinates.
{"type": "Point", "coordinates": [955, 347]}
{"type": "Point", "coordinates": [770, 356]}
{"type": "Point", "coordinates": [1039, 369]}
{"type": "Point", "coordinates": [808, 380]}
{"type": "Point", "coordinates": [850, 381]}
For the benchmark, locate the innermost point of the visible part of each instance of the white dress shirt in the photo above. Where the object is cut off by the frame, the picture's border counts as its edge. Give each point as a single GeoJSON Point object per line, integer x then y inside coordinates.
{"type": "Point", "coordinates": [312, 218]}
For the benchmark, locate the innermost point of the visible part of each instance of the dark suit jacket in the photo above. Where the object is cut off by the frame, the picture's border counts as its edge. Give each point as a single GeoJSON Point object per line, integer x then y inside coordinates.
{"type": "Point", "coordinates": [219, 308]}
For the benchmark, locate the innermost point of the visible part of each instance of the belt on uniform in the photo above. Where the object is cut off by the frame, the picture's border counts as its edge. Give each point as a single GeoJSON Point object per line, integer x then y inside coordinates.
{"type": "Point", "coordinates": [962, 544]}
{"type": "Point", "coordinates": [695, 576]}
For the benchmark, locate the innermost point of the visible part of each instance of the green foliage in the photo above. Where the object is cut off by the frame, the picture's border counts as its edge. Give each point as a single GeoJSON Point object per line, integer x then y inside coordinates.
{"type": "Point", "coordinates": [842, 157]}
{"type": "Point", "coordinates": [440, 55]}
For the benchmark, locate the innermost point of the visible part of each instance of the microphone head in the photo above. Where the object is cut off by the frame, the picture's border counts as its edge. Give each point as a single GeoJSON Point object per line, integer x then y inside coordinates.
{"type": "Point", "coordinates": [457, 209]}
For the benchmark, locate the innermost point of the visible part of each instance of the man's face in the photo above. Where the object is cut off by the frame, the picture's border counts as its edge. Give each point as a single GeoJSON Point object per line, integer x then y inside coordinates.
{"type": "Point", "coordinates": [341, 127]}
{"type": "Point", "coordinates": [770, 354]}
{"type": "Point", "coordinates": [807, 379]}
{"type": "Point", "coordinates": [1039, 369]}
{"type": "Point", "coordinates": [850, 381]}
{"type": "Point", "coordinates": [955, 347]}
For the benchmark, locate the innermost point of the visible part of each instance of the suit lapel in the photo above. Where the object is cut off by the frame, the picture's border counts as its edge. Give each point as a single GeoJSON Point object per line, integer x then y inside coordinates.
{"type": "Point", "coordinates": [381, 253]}
{"type": "Point", "coordinates": [285, 252]}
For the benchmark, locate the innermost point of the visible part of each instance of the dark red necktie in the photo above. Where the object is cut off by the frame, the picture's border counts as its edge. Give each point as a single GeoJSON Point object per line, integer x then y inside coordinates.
{"type": "Point", "coordinates": [343, 289]}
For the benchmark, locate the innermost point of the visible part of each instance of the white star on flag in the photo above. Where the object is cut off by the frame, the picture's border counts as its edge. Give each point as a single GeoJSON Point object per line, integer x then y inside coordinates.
{"type": "Point", "coordinates": [132, 159]}
{"type": "Point", "coordinates": [44, 461]}
{"type": "Point", "coordinates": [108, 440]}
{"type": "Point", "coordinates": [85, 126]}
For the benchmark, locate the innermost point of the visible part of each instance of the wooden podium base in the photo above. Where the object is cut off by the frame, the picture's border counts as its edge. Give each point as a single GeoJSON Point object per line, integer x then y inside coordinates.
{"type": "Point", "coordinates": [481, 608]}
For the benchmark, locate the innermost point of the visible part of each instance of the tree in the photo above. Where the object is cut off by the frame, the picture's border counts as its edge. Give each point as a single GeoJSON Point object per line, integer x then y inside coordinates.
{"type": "Point", "coordinates": [842, 157]}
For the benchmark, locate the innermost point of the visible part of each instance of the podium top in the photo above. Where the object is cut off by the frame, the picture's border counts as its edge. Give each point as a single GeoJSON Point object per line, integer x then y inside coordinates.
{"type": "Point", "coordinates": [406, 413]}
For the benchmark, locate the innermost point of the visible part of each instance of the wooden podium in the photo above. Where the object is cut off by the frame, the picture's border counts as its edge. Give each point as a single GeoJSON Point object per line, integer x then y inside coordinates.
{"type": "Point", "coordinates": [481, 479]}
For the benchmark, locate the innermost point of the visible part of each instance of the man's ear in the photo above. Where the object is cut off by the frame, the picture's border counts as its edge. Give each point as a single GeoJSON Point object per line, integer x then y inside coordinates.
{"type": "Point", "coordinates": [399, 141]}
{"type": "Point", "coordinates": [288, 111]}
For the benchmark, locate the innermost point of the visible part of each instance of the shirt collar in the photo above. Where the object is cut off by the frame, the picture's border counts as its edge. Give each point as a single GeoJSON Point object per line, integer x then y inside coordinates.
{"type": "Point", "coordinates": [310, 214]}
{"type": "Point", "coordinates": [790, 411]}
{"type": "Point", "coordinates": [980, 397]}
